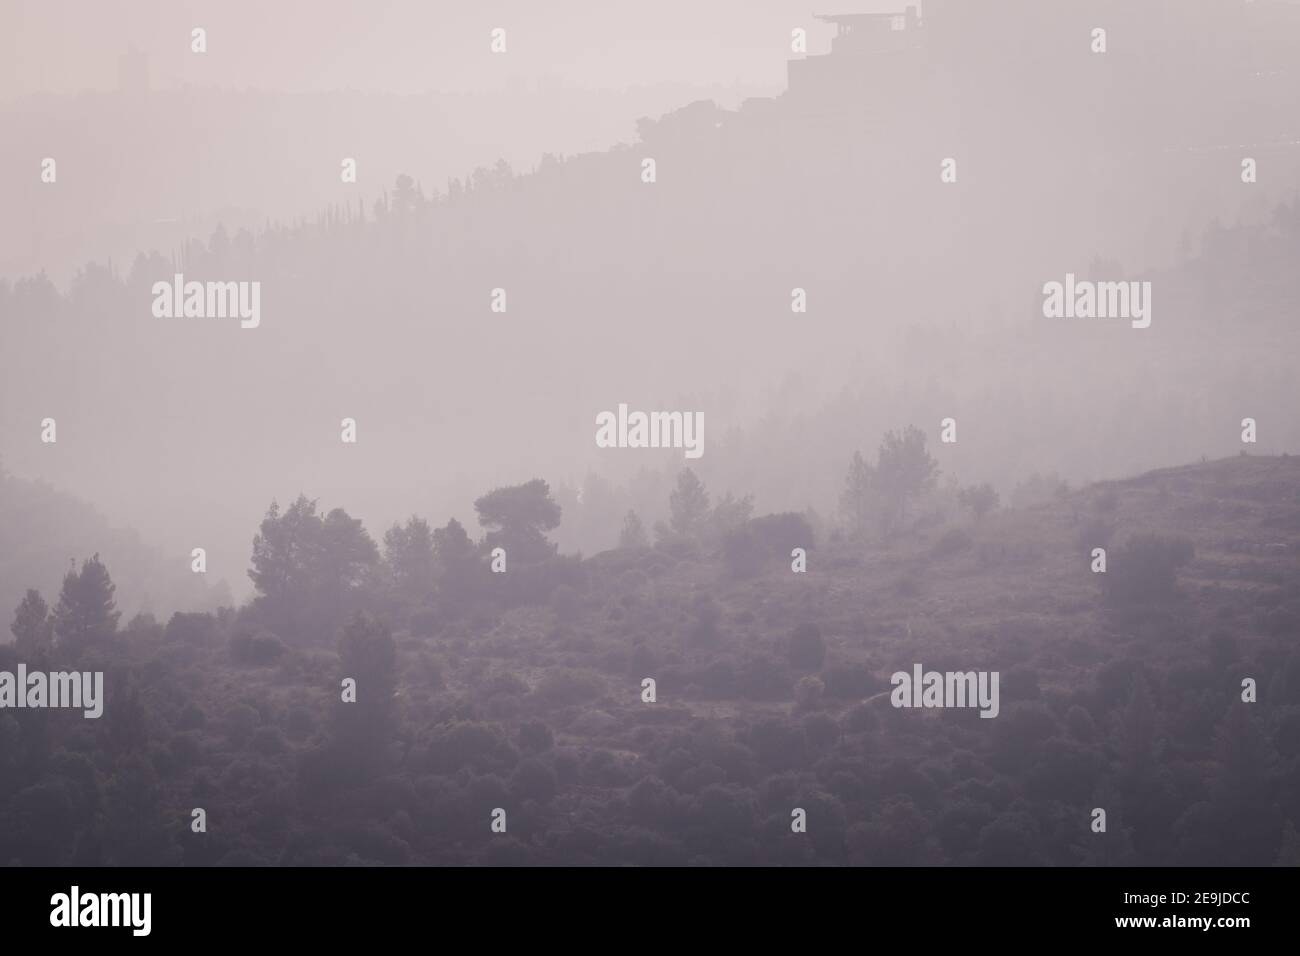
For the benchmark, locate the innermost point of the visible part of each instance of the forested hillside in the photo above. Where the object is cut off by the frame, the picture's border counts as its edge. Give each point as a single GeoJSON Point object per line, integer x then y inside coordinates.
{"type": "Point", "coordinates": [525, 691]}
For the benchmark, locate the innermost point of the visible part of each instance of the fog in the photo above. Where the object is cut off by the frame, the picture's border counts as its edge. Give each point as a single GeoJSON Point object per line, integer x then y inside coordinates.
{"type": "Point", "coordinates": [923, 296]}
{"type": "Point", "coordinates": [385, 257]}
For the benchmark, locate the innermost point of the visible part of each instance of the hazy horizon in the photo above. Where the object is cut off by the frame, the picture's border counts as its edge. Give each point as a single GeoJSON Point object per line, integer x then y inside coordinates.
{"type": "Point", "coordinates": [115, 455]}
{"type": "Point", "coordinates": [601, 434]}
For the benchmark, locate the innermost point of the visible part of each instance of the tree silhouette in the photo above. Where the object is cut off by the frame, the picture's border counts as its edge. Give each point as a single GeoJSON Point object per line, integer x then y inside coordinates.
{"type": "Point", "coordinates": [855, 500]}
{"type": "Point", "coordinates": [517, 518]}
{"type": "Point", "coordinates": [458, 564]}
{"type": "Point", "coordinates": [904, 468]}
{"type": "Point", "coordinates": [33, 625]}
{"type": "Point", "coordinates": [408, 552]}
{"type": "Point", "coordinates": [283, 551]}
{"type": "Point", "coordinates": [980, 499]}
{"type": "Point", "coordinates": [729, 514]}
{"type": "Point", "coordinates": [86, 612]}
{"type": "Point", "coordinates": [306, 567]}
{"type": "Point", "coordinates": [688, 505]}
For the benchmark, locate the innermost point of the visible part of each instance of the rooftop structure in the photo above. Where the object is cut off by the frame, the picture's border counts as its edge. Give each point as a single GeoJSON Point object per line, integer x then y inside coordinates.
{"type": "Point", "coordinates": [865, 47]}
{"type": "Point", "coordinates": [864, 32]}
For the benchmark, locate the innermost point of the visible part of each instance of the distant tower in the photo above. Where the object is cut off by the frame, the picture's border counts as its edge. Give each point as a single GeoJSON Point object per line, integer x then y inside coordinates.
{"type": "Point", "coordinates": [870, 52]}
{"type": "Point", "coordinates": [133, 71]}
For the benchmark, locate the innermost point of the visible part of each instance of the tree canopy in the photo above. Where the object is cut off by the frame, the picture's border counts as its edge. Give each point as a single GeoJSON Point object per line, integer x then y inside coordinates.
{"type": "Point", "coordinates": [86, 612]}
{"type": "Point", "coordinates": [517, 517]}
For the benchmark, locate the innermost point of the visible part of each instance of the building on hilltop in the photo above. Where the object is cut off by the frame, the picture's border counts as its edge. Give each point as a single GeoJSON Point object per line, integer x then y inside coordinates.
{"type": "Point", "coordinates": [867, 48]}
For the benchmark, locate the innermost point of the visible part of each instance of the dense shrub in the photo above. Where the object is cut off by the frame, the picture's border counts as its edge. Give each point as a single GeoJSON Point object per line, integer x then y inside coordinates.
{"type": "Point", "coordinates": [705, 616]}
{"type": "Point", "coordinates": [535, 737]}
{"type": "Point", "coordinates": [953, 541]}
{"type": "Point", "coordinates": [533, 780]}
{"type": "Point", "coordinates": [567, 686]}
{"type": "Point", "coordinates": [806, 650]}
{"type": "Point", "coordinates": [1094, 532]}
{"type": "Point", "coordinates": [463, 743]}
{"type": "Point", "coordinates": [535, 583]}
{"type": "Point", "coordinates": [742, 554]}
{"type": "Point", "coordinates": [808, 692]}
{"type": "Point", "coordinates": [1144, 570]}
{"type": "Point", "coordinates": [861, 719]}
{"type": "Point", "coordinates": [255, 648]}
{"type": "Point", "coordinates": [504, 683]}
{"type": "Point", "coordinates": [852, 679]}
{"type": "Point", "coordinates": [747, 549]}
{"type": "Point", "coordinates": [763, 677]}
{"type": "Point", "coordinates": [821, 730]}
{"type": "Point", "coordinates": [717, 678]}
{"type": "Point", "coordinates": [565, 602]}
{"type": "Point", "coordinates": [779, 533]}
{"type": "Point", "coordinates": [198, 629]}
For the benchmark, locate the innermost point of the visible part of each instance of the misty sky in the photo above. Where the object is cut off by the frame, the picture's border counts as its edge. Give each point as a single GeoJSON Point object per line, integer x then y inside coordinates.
{"type": "Point", "coordinates": [405, 46]}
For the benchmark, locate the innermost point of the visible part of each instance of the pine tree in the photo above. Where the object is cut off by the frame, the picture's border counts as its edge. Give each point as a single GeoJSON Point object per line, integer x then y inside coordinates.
{"type": "Point", "coordinates": [688, 504]}
{"type": "Point", "coordinates": [458, 566]}
{"type": "Point", "coordinates": [904, 469]}
{"type": "Point", "coordinates": [517, 517]}
{"type": "Point", "coordinates": [855, 501]}
{"type": "Point", "coordinates": [309, 568]}
{"type": "Point", "coordinates": [86, 612]}
{"type": "Point", "coordinates": [33, 626]}
{"type": "Point", "coordinates": [408, 552]}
